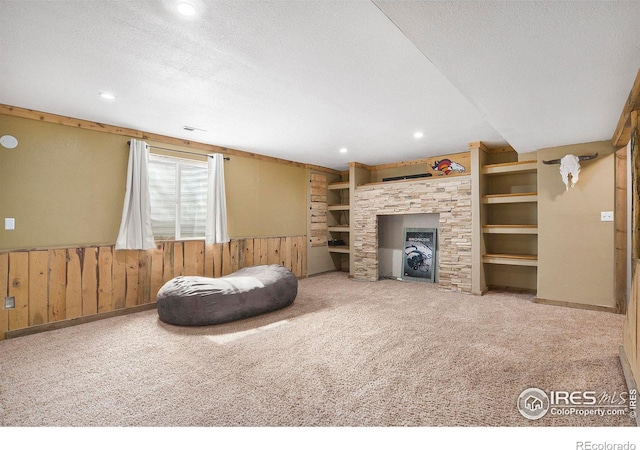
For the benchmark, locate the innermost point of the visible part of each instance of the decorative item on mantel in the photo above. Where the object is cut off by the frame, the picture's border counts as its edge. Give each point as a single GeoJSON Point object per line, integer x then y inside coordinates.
{"type": "Point", "coordinates": [455, 164]}
{"type": "Point", "coordinates": [447, 166]}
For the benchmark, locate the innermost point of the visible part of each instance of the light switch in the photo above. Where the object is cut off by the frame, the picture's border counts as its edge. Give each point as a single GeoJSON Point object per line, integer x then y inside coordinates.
{"type": "Point", "coordinates": [9, 223]}
{"type": "Point", "coordinates": [606, 216]}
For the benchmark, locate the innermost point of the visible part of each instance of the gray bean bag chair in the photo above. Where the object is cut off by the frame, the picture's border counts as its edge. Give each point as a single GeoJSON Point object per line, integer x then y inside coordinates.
{"type": "Point", "coordinates": [189, 300]}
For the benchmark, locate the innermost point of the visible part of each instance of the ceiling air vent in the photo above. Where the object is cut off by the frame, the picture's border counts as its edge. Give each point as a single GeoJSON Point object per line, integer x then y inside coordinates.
{"type": "Point", "coordinates": [189, 128]}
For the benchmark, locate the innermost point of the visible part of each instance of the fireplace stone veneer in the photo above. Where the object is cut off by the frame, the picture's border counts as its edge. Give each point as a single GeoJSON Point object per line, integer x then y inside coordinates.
{"type": "Point", "coordinates": [448, 197]}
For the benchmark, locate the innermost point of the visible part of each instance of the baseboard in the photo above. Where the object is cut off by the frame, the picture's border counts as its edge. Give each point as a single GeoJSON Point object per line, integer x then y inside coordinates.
{"type": "Point", "coordinates": [544, 301]}
{"type": "Point", "coordinates": [77, 321]}
{"type": "Point", "coordinates": [628, 376]}
{"type": "Point", "coordinates": [512, 289]}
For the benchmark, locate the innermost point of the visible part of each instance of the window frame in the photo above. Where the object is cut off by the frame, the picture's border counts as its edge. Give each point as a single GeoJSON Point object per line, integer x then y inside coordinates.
{"type": "Point", "coordinates": [177, 226]}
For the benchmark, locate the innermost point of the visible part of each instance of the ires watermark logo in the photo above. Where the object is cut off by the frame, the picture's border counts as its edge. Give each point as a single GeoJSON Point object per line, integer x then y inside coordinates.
{"type": "Point", "coordinates": [534, 403]}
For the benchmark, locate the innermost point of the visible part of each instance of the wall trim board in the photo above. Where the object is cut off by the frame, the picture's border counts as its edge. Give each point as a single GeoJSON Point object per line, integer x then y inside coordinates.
{"type": "Point", "coordinates": [72, 284]}
{"type": "Point", "coordinates": [544, 301]}
{"type": "Point", "coordinates": [137, 134]}
{"type": "Point", "coordinates": [628, 375]}
{"type": "Point", "coordinates": [77, 321]}
{"type": "Point", "coordinates": [622, 133]}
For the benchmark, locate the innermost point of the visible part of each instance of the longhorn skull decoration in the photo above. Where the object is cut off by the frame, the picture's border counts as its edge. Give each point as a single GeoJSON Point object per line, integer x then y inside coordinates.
{"type": "Point", "coordinates": [570, 167]}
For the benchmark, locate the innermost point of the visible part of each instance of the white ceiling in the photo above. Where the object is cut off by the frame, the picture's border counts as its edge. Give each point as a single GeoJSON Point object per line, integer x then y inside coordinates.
{"type": "Point", "coordinates": [301, 79]}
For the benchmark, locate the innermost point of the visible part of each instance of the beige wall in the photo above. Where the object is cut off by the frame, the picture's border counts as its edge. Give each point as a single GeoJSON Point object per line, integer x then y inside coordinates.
{"type": "Point", "coordinates": [65, 187]}
{"type": "Point", "coordinates": [265, 198]}
{"type": "Point", "coordinates": [576, 249]}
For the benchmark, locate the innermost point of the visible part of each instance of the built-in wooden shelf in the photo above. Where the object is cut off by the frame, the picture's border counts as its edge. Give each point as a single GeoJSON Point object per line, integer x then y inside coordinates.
{"type": "Point", "coordinates": [511, 260]}
{"type": "Point", "coordinates": [339, 228]}
{"type": "Point", "coordinates": [522, 197]}
{"type": "Point", "coordinates": [339, 185]}
{"type": "Point", "coordinates": [510, 229]}
{"type": "Point", "coordinates": [338, 207]}
{"type": "Point", "coordinates": [510, 167]}
{"type": "Point", "coordinates": [339, 249]}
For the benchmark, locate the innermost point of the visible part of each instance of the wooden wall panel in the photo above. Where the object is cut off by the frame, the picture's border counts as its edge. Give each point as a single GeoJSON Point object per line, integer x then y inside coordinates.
{"type": "Point", "coordinates": [4, 286]}
{"type": "Point", "coordinates": [217, 260]}
{"type": "Point", "coordinates": [157, 278]}
{"type": "Point", "coordinates": [38, 287]}
{"type": "Point", "coordinates": [286, 252]}
{"type": "Point", "coordinates": [178, 259]}
{"type": "Point", "coordinates": [247, 253]}
{"type": "Point", "coordinates": [226, 258]}
{"type": "Point", "coordinates": [234, 250]}
{"type": "Point", "coordinates": [74, 284]}
{"type": "Point", "coordinates": [90, 281]}
{"type": "Point", "coordinates": [209, 260]}
{"type": "Point", "coordinates": [632, 319]}
{"type": "Point", "coordinates": [631, 325]}
{"type": "Point", "coordinates": [257, 251]}
{"type": "Point", "coordinates": [119, 273]}
{"type": "Point", "coordinates": [273, 249]}
{"type": "Point", "coordinates": [264, 251]}
{"type": "Point", "coordinates": [105, 279]}
{"type": "Point", "coordinates": [57, 284]}
{"type": "Point", "coordinates": [621, 231]}
{"type": "Point", "coordinates": [144, 277]}
{"type": "Point", "coordinates": [132, 269]}
{"type": "Point", "coordinates": [19, 289]}
{"type": "Point", "coordinates": [167, 261]}
{"type": "Point", "coordinates": [60, 284]}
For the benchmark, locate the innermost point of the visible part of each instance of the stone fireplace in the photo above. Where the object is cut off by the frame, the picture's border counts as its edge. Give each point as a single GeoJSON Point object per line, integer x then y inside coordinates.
{"type": "Point", "coordinates": [450, 198]}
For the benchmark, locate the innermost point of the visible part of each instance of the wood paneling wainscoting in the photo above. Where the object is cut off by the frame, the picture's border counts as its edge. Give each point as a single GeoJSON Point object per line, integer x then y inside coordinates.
{"type": "Point", "coordinates": [629, 350]}
{"type": "Point", "coordinates": [64, 286]}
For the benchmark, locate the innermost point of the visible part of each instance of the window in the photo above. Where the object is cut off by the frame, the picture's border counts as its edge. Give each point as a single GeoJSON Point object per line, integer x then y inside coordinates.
{"type": "Point", "coordinates": [178, 193]}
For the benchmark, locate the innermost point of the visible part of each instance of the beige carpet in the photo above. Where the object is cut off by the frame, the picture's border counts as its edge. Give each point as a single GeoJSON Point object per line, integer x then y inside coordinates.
{"type": "Point", "coordinates": [346, 353]}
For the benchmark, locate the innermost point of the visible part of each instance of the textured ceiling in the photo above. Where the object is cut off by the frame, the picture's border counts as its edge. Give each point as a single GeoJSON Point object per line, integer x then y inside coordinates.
{"type": "Point", "coordinates": [301, 79]}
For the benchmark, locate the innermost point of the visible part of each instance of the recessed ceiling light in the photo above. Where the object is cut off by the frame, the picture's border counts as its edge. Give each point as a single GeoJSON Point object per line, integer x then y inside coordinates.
{"type": "Point", "coordinates": [186, 9]}
{"type": "Point", "coordinates": [343, 150]}
{"type": "Point", "coordinates": [418, 134]}
{"type": "Point", "coordinates": [107, 95]}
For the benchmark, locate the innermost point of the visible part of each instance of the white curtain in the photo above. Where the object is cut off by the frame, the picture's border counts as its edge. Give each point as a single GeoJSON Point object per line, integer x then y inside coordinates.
{"type": "Point", "coordinates": [216, 231]}
{"type": "Point", "coordinates": [135, 228]}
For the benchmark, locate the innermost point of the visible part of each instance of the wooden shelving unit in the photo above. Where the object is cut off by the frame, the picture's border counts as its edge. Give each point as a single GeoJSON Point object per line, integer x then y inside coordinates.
{"type": "Point", "coordinates": [510, 248]}
{"type": "Point", "coordinates": [338, 219]}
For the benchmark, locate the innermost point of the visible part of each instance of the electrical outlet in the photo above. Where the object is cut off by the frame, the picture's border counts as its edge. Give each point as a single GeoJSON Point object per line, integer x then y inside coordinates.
{"type": "Point", "coordinates": [9, 223]}
{"type": "Point", "coordinates": [606, 216]}
{"type": "Point", "coordinates": [9, 302]}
